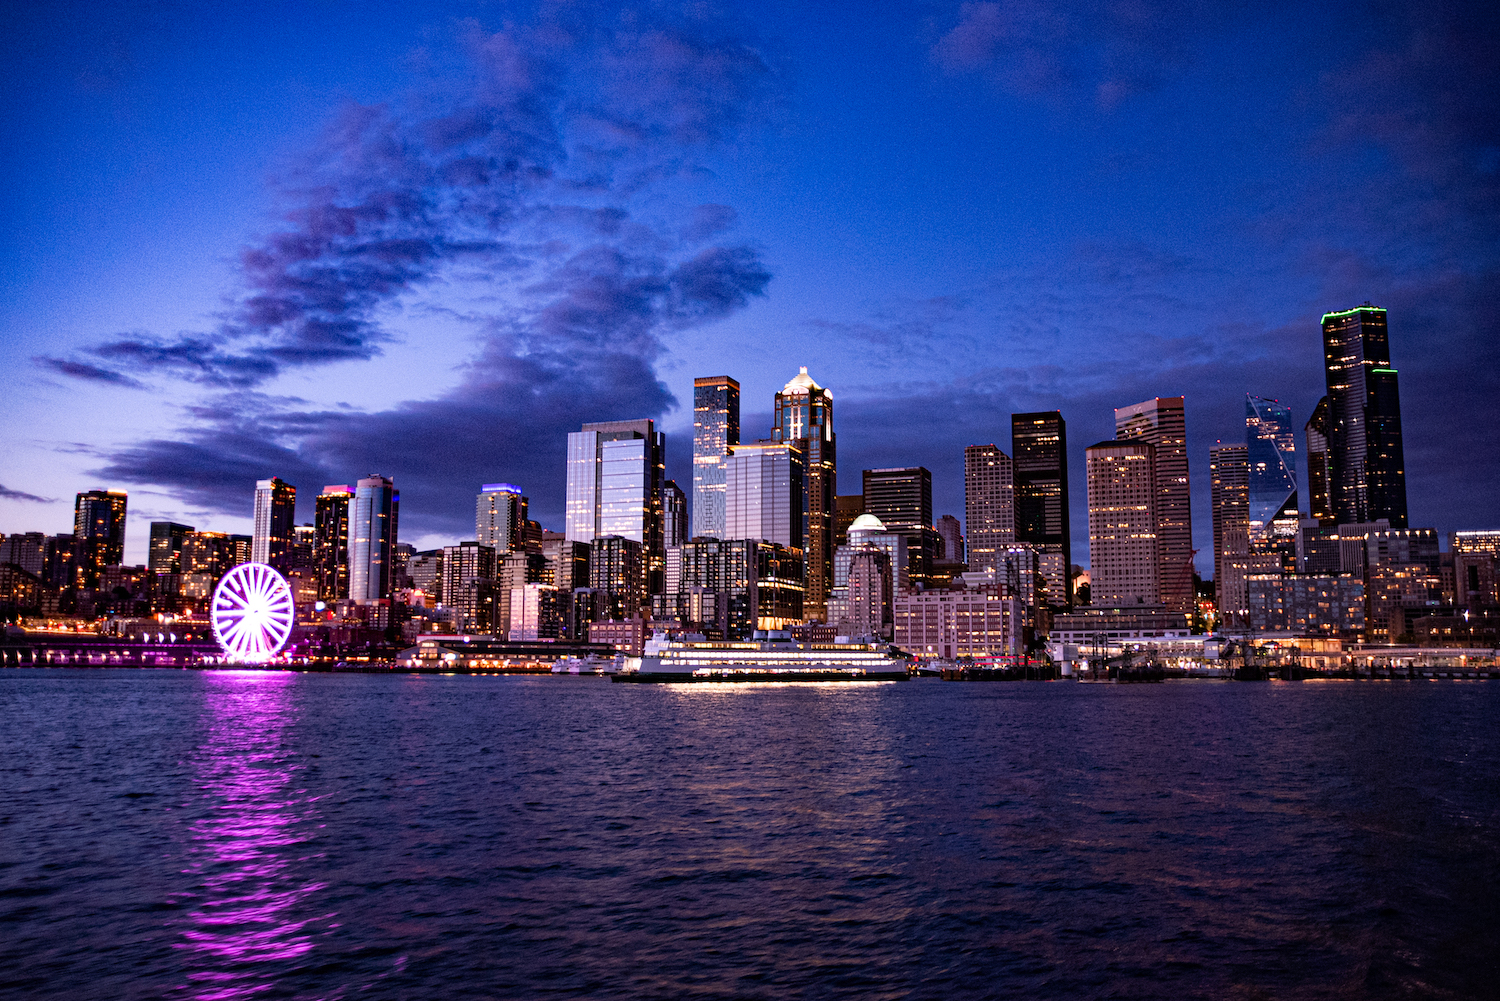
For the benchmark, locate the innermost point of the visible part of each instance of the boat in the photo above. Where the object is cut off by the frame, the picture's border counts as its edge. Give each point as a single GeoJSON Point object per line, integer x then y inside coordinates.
{"type": "Point", "coordinates": [592, 664]}
{"type": "Point", "coordinates": [770, 656]}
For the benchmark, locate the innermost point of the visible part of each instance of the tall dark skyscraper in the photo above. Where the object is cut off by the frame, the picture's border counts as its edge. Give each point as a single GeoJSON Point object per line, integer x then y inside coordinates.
{"type": "Point", "coordinates": [99, 526]}
{"type": "Point", "coordinates": [373, 522]}
{"type": "Point", "coordinates": [989, 505]}
{"type": "Point", "coordinates": [900, 498]}
{"type": "Point", "coordinates": [1366, 464]}
{"type": "Point", "coordinates": [1319, 477]}
{"type": "Point", "coordinates": [716, 430]}
{"type": "Point", "coordinates": [674, 514]}
{"type": "Point", "coordinates": [804, 416]}
{"type": "Point", "coordinates": [1162, 423]}
{"type": "Point", "coordinates": [1039, 450]}
{"type": "Point", "coordinates": [331, 542]}
{"type": "Point", "coordinates": [165, 554]}
{"type": "Point", "coordinates": [275, 514]}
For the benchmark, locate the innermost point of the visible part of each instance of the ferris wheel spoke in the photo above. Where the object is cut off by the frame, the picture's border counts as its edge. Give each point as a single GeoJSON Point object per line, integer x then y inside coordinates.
{"type": "Point", "coordinates": [253, 612]}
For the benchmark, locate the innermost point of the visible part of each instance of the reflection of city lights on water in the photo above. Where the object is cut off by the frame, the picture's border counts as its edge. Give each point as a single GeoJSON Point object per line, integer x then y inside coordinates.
{"type": "Point", "coordinates": [247, 909]}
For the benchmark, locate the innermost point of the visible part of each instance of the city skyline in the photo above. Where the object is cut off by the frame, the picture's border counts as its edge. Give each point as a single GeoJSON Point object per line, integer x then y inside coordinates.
{"type": "Point", "coordinates": [856, 203]}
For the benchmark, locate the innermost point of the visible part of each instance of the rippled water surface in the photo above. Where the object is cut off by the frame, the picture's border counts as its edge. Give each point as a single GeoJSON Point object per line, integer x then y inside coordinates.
{"type": "Point", "coordinates": [235, 835]}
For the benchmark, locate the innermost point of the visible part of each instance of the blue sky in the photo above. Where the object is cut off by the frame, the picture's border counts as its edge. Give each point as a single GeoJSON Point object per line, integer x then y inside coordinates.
{"type": "Point", "coordinates": [426, 240]}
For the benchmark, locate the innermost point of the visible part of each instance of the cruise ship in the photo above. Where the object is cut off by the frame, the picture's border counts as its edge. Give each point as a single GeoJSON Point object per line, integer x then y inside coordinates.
{"type": "Point", "coordinates": [770, 656]}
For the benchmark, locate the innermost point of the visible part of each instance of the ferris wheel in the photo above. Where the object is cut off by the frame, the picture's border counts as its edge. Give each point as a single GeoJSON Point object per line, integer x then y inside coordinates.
{"type": "Point", "coordinates": [252, 613]}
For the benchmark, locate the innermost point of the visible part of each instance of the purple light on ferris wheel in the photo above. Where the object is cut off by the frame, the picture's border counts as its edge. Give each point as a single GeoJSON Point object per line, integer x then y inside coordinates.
{"type": "Point", "coordinates": [252, 613]}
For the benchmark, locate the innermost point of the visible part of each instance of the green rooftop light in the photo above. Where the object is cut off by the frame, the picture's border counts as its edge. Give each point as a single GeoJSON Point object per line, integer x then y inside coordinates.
{"type": "Point", "coordinates": [1356, 309]}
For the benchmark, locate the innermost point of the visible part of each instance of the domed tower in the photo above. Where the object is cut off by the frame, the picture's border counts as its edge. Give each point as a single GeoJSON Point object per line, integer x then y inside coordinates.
{"type": "Point", "coordinates": [804, 415]}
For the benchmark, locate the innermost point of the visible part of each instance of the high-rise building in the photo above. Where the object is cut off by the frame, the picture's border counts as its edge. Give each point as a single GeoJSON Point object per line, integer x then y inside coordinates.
{"type": "Point", "coordinates": [989, 504]}
{"type": "Point", "coordinates": [1366, 464]}
{"type": "Point", "coordinates": [1123, 493]}
{"type": "Point", "coordinates": [900, 498]}
{"type": "Point", "coordinates": [716, 431]}
{"type": "Point", "coordinates": [1039, 450]}
{"type": "Point", "coordinates": [617, 576]}
{"type": "Point", "coordinates": [1229, 479]}
{"type": "Point", "coordinates": [500, 517]}
{"type": "Point", "coordinates": [165, 554]}
{"type": "Point", "coordinates": [27, 550]}
{"type": "Point", "coordinates": [804, 417]}
{"type": "Point", "coordinates": [468, 585]}
{"type": "Point", "coordinates": [732, 587]}
{"type": "Point", "coordinates": [1319, 476]}
{"type": "Point", "coordinates": [674, 514]}
{"type": "Point", "coordinates": [373, 518]}
{"type": "Point", "coordinates": [763, 493]}
{"type": "Point", "coordinates": [1162, 423]}
{"type": "Point", "coordinates": [331, 542]}
{"type": "Point", "coordinates": [615, 475]}
{"type": "Point", "coordinates": [99, 525]}
{"type": "Point", "coordinates": [951, 532]}
{"type": "Point", "coordinates": [1271, 440]}
{"type": "Point", "coordinates": [846, 507]}
{"type": "Point", "coordinates": [64, 563]}
{"type": "Point", "coordinates": [275, 514]}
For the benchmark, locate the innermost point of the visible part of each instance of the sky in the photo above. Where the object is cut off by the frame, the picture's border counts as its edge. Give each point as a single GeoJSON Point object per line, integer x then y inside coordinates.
{"type": "Point", "coordinates": [426, 240]}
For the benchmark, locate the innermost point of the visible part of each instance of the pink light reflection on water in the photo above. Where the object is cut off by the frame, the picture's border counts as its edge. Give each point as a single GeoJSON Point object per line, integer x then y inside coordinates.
{"type": "Point", "coordinates": [249, 913]}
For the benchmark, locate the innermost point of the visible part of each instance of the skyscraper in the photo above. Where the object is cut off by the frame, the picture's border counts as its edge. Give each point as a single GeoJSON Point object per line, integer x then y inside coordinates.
{"type": "Point", "coordinates": [1039, 446]}
{"type": "Point", "coordinates": [615, 475]}
{"type": "Point", "coordinates": [1123, 486]}
{"type": "Point", "coordinates": [372, 535]}
{"type": "Point", "coordinates": [804, 416]}
{"type": "Point", "coordinates": [952, 533]}
{"type": "Point", "coordinates": [275, 514]}
{"type": "Point", "coordinates": [1319, 476]}
{"type": "Point", "coordinates": [900, 498]}
{"type": "Point", "coordinates": [1366, 463]}
{"type": "Point", "coordinates": [1271, 443]}
{"type": "Point", "coordinates": [99, 526]}
{"type": "Point", "coordinates": [674, 514]}
{"type": "Point", "coordinates": [716, 430]}
{"type": "Point", "coordinates": [1162, 423]}
{"type": "Point", "coordinates": [763, 493]}
{"type": "Point", "coordinates": [500, 517]}
{"type": "Point", "coordinates": [989, 504]}
{"type": "Point", "coordinates": [165, 554]}
{"type": "Point", "coordinates": [1229, 476]}
{"type": "Point", "coordinates": [331, 542]}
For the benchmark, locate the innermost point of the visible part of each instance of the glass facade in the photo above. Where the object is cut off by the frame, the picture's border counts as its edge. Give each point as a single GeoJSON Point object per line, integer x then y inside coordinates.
{"type": "Point", "coordinates": [372, 536]}
{"type": "Point", "coordinates": [716, 430]}
{"type": "Point", "coordinates": [804, 416]}
{"type": "Point", "coordinates": [1366, 463]}
{"type": "Point", "coordinates": [1162, 423]}
{"type": "Point", "coordinates": [1271, 441]}
{"type": "Point", "coordinates": [1229, 485]}
{"type": "Point", "coordinates": [1039, 446]}
{"type": "Point", "coordinates": [764, 493]}
{"type": "Point", "coordinates": [500, 517]}
{"type": "Point", "coordinates": [616, 472]}
{"type": "Point", "coordinates": [1319, 477]}
{"type": "Point", "coordinates": [275, 514]}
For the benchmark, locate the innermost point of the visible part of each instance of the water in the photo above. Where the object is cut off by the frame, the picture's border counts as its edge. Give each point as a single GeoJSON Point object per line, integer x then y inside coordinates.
{"type": "Point", "coordinates": [198, 835]}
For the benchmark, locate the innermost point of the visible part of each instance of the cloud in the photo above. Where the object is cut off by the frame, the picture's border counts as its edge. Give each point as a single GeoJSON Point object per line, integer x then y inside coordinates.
{"type": "Point", "coordinates": [508, 204]}
{"type": "Point", "coordinates": [86, 372]}
{"type": "Point", "coordinates": [20, 495]}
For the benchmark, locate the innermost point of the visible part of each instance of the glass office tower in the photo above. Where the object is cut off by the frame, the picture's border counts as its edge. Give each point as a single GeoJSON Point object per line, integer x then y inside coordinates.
{"type": "Point", "coordinates": [500, 517]}
{"type": "Point", "coordinates": [1039, 449]}
{"type": "Point", "coordinates": [1229, 484]}
{"type": "Point", "coordinates": [275, 514]}
{"type": "Point", "coordinates": [99, 527]}
{"type": "Point", "coordinates": [615, 474]}
{"type": "Point", "coordinates": [804, 416]}
{"type": "Point", "coordinates": [331, 541]}
{"type": "Point", "coordinates": [1366, 463]}
{"type": "Point", "coordinates": [1271, 444]}
{"type": "Point", "coordinates": [372, 537]}
{"type": "Point", "coordinates": [1162, 423]}
{"type": "Point", "coordinates": [1319, 477]}
{"type": "Point", "coordinates": [716, 430]}
{"type": "Point", "coordinates": [764, 485]}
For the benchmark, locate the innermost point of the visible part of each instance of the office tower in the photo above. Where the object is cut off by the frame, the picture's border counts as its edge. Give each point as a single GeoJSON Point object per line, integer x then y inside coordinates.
{"type": "Point", "coordinates": [951, 532]}
{"type": "Point", "coordinates": [275, 514]}
{"type": "Point", "coordinates": [716, 430]}
{"type": "Point", "coordinates": [989, 504]}
{"type": "Point", "coordinates": [500, 517]}
{"type": "Point", "coordinates": [1123, 493]}
{"type": "Point", "coordinates": [165, 554]}
{"type": "Point", "coordinates": [537, 612]}
{"type": "Point", "coordinates": [804, 416]}
{"type": "Point", "coordinates": [763, 493]}
{"type": "Point", "coordinates": [1367, 469]}
{"type": "Point", "coordinates": [1319, 476]}
{"type": "Point", "coordinates": [674, 514]}
{"type": "Point", "coordinates": [731, 588]}
{"type": "Point", "coordinates": [1229, 485]}
{"type": "Point", "coordinates": [240, 546]}
{"type": "Point", "coordinates": [1162, 423]}
{"type": "Point", "coordinates": [1476, 568]}
{"type": "Point", "coordinates": [212, 554]}
{"type": "Point", "coordinates": [425, 571]}
{"type": "Point", "coordinates": [64, 563]}
{"type": "Point", "coordinates": [1271, 441]}
{"type": "Point", "coordinates": [900, 498]}
{"type": "Point", "coordinates": [27, 550]}
{"type": "Point", "coordinates": [868, 596]}
{"type": "Point", "coordinates": [567, 562]}
{"type": "Point", "coordinates": [1039, 450]}
{"type": "Point", "coordinates": [99, 525]}
{"type": "Point", "coordinates": [846, 507]}
{"type": "Point", "coordinates": [617, 576]}
{"type": "Point", "coordinates": [615, 475]}
{"type": "Point", "coordinates": [468, 585]}
{"type": "Point", "coordinates": [373, 518]}
{"type": "Point", "coordinates": [331, 541]}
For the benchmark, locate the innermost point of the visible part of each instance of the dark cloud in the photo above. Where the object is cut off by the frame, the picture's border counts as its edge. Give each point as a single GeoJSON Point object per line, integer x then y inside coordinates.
{"type": "Point", "coordinates": [522, 179]}
{"type": "Point", "coordinates": [87, 372]}
{"type": "Point", "coordinates": [20, 495]}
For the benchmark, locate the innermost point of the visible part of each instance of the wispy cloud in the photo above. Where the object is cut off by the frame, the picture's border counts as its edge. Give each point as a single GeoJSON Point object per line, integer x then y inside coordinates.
{"type": "Point", "coordinates": [20, 495]}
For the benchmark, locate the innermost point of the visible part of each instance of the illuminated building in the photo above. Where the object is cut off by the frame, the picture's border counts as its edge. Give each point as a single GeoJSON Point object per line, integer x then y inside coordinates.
{"type": "Point", "coordinates": [1039, 454]}
{"type": "Point", "coordinates": [978, 622]}
{"type": "Point", "coordinates": [674, 514]}
{"type": "Point", "coordinates": [468, 585]}
{"type": "Point", "coordinates": [950, 530]}
{"type": "Point", "coordinates": [1123, 492]}
{"type": "Point", "coordinates": [27, 550]}
{"type": "Point", "coordinates": [275, 514]}
{"type": "Point", "coordinates": [1271, 443]}
{"type": "Point", "coordinates": [99, 526]}
{"type": "Point", "coordinates": [373, 522]}
{"type": "Point", "coordinates": [804, 417]}
{"type": "Point", "coordinates": [716, 431]}
{"type": "Point", "coordinates": [732, 587]}
{"type": "Point", "coordinates": [989, 504]}
{"type": "Point", "coordinates": [1229, 485]}
{"type": "Point", "coordinates": [1476, 568]}
{"type": "Point", "coordinates": [331, 542]}
{"type": "Point", "coordinates": [764, 493]}
{"type": "Point", "coordinates": [614, 484]}
{"type": "Point", "coordinates": [1162, 423]}
{"type": "Point", "coordinates": [617, 574]}
{"type": "Point", "coordinates": [1366, 464]}
{"type": "Point", "coordinates": [1319, 476]}
{"type": "Point", "coordinates": [500, 517]}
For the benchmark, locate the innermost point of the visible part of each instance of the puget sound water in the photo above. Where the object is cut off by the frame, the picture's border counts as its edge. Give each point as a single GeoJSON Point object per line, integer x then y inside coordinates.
{"type": "Point", "coordinates": [193, 834]}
